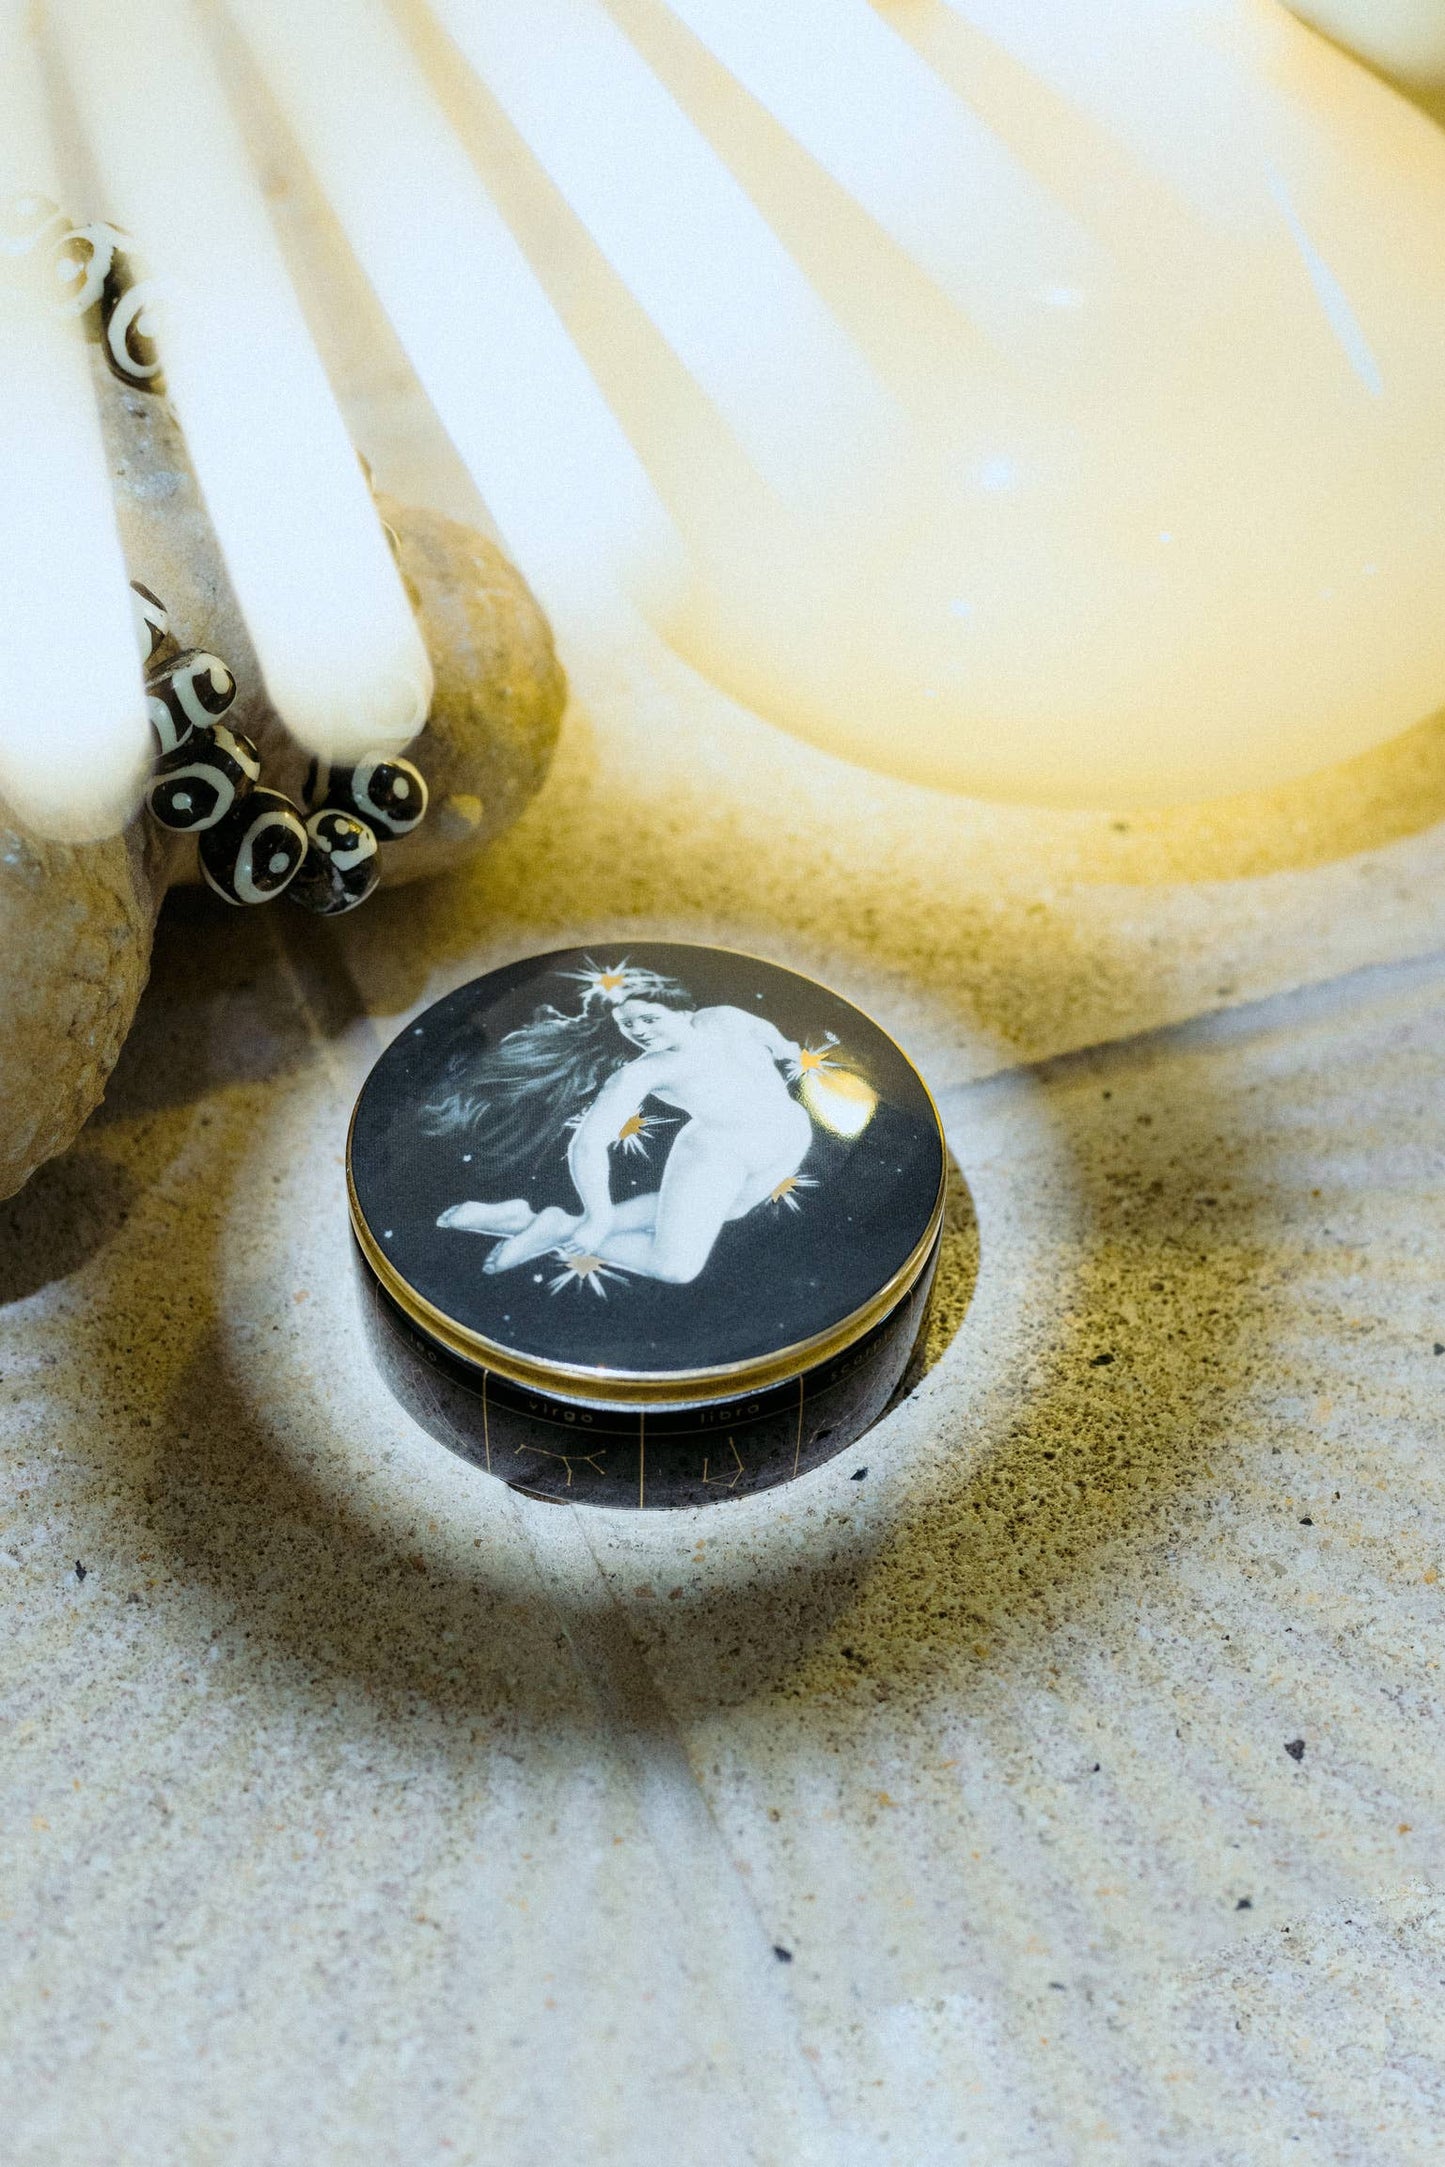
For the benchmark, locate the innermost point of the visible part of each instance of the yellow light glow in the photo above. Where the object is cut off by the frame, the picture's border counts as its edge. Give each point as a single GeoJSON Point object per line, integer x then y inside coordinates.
{"type": "Point", "coordinates": [1087, 446]}
{"type": "Point", "coordinates": [1165, 526]}
{"type": "Point", "coordinates": [839, 1100]}
{"type": "Point", "coordinates": [1404, 38]}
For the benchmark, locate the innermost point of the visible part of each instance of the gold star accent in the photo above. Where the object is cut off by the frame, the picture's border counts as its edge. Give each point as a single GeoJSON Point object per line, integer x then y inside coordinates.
{"type": "Point", "coordinates": [586, 1270]}
{"type": "Point", "coordinates": [601, 982]}
{"type": "Point", "coordinates": [812, 1058]}
{"type": "Point", "coordinates": [787, 1191]}
{"type": "Point", "coordinates": [634, 1132]}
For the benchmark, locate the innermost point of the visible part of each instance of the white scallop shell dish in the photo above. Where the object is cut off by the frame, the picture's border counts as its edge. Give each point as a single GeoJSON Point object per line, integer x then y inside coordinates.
{"type": "Point", "coordinates": [1021, 397]}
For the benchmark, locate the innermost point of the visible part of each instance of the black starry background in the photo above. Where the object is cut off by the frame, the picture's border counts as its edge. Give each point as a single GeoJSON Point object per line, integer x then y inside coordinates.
{"type": "Point", "coordinates": [774, 1278]}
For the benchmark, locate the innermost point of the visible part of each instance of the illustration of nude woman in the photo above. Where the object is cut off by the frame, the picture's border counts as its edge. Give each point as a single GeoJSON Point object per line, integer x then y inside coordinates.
{"type": "Point", "coordinates": [744, 1139]}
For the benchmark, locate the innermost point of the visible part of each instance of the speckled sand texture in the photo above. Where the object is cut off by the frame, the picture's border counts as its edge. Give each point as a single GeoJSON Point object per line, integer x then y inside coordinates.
{"type": "Point", "coordinates": [355, 1811]}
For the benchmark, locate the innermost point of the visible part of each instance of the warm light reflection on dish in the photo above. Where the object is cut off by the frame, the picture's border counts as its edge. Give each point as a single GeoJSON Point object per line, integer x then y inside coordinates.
{"type": "Point", "coordinates": [842, 1101]}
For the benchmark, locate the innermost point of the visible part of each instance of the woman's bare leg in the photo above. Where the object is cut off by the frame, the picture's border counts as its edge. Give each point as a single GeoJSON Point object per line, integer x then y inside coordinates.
{"type": "Point", "coordinates": [552, 1229]}
{"type": "Point", "coordinates": [765, 1178]}
{"type": "Point", "coordinates": [704, 1186]}
{"type": "Point", "coordinates": [699, 1189]}
{"type": "Point", "coordinates": [508, 1218]}
{"type": "Point", "coordinates": [547, 1229]}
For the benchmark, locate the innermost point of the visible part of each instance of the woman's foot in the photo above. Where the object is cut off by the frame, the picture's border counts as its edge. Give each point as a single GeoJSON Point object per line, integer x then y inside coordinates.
{"type": "Point", "coordinates": [547, 1230]}
{"type": "Point", "coordinates": [509, 1218]}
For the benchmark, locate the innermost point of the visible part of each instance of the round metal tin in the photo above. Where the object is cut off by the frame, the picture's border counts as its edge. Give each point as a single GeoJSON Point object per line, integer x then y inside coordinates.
{"type": "Point", "coordinates": [645, 1225]}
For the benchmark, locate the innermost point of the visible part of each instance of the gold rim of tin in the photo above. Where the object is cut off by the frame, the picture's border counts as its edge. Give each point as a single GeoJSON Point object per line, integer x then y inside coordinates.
{"type": "Point", "coordinates": [649, 1388]}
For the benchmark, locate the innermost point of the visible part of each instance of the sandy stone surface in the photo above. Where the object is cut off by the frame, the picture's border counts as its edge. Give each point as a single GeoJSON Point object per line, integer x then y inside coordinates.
{"type": "Point", "coordinates": [357, 1810]}
{"type": "Point", "coordinates": [353, 1810]}
{"type": "Point", "coordinates": [499, 691]}
{"type": "Point", "coordinates": [75, 940]}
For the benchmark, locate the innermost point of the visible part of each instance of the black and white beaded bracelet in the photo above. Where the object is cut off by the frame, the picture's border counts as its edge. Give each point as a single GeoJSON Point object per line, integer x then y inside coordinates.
{"type": "Point", "coordinates": [253, 843]}
{"type": "Point", "coordinates": [88, 272]}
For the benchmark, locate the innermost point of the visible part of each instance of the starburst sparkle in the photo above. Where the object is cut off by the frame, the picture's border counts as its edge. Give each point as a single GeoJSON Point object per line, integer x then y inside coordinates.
{"type": "Point", "coordinates": [813, 1058]}
{"type": "Point", "coordinates": [787, 1191]}
{"type": "Point", "coordinates": [586, 1270]}
{"type": "Point", "coordinates": [632, 1137]}
{"type": "Point", "coordinates": [603, 982]}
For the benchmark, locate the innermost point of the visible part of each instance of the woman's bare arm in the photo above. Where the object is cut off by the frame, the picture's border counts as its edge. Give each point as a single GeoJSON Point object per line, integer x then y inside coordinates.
{"type": "Point", "coordinates": [782, 1049]}
{"type": "Point", "coordinates": [595, 1134]}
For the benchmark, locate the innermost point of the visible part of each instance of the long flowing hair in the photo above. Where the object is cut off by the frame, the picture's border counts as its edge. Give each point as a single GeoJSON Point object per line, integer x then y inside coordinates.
{"type": "Point", "coordinates": [521, 1094]}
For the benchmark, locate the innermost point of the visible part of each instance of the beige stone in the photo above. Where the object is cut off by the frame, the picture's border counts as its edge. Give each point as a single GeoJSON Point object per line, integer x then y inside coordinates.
{"type": "Point", "coordinates": [75, 941]}
{"type": "Point", "coordinates": [499, 697]}
{"type": "Point", "coordinates": [500, 690]}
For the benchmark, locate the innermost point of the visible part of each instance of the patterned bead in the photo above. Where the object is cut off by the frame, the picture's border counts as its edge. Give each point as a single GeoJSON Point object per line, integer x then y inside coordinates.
{"type": "Point", "coordinates": [152, 626]}
{"type": "Point", "coordinates": [128, 329]}
{"type": "Point", "coordinates": [87, 270]}
{"type": "Point", "coordinates": [188, 694]}
{"type": "Point", "coordinates": [385, 791]}
{"type": "Point", "coordinates": [203, 781]}
{"type": "Point", "coordinates": [255, 852]}
{"type": "Point", "coordinates": [341, 866]}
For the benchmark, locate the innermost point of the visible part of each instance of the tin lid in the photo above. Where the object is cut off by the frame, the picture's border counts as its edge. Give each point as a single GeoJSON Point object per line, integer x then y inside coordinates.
{"type": "Point", "coordinates": [651, 1174]}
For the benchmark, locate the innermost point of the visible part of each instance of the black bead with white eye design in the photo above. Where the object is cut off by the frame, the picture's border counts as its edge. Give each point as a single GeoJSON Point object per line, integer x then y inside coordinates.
{"type": "Point", "coordinates": [341, 866]}
{"type": "Point", "coordinates": [152, 627]}
{"type": "Point", "coordinates": [188, 694]}
{"type": "Point", "coordinates": [253, 843]}
{"type": "Point", "coordinates": [87, 268]}
{"type": "Point", "coordinates": [256, 851]}
{"type": "Point", "coordinates": [128, 329]}
{"type": "Point", "coordinates": [199, 784]}
{"type": "Point", "coordinates": [385, 791]}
